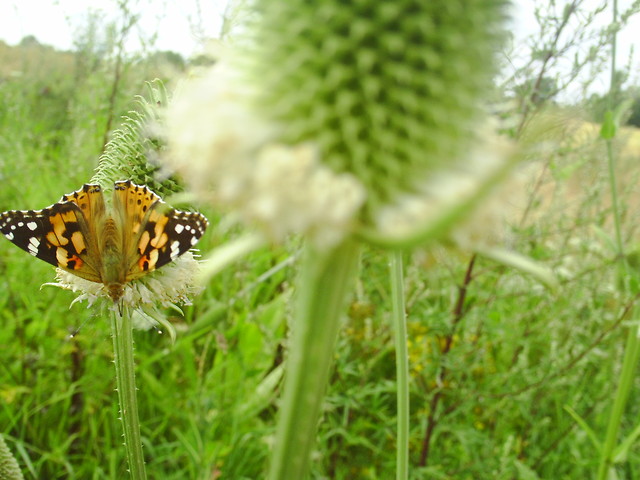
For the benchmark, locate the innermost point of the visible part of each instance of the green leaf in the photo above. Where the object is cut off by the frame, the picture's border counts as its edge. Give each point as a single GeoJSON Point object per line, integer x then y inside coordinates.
{"type": "Point", "coordinates": [605, 238]}
{"type": "Point", "coordinates": [613, 119]}
{"type": "Point", "coordinates": [264, 394]}
{"type": "Point", "coordinates": [522, 263]}
{"type": "Point", "coordinates": [608, 130]}
{"type": "Point", "coordinates": [583, 424]}
{"type": "Point", "coordinates": [620, 454]}
{"type": "Point", "coordinates": [524, 472]}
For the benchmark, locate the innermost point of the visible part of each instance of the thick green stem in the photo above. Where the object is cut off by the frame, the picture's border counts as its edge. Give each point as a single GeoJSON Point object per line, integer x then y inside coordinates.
{"type": "Point", "coordinates": [126, 384]}
{"type": "Point", "coordinates": [323, 287]}
{"type": "Point", "coordinates": [402, 365]}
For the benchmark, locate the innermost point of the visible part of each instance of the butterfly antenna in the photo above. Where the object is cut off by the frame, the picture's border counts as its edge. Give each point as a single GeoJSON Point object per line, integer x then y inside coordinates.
{"type": "Point", "coordinates": [76, 330]}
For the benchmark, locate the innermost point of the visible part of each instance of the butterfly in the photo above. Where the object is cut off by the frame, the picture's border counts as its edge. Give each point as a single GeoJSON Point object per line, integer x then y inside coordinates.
{"type": "Point", "coordinates": [113, 244]}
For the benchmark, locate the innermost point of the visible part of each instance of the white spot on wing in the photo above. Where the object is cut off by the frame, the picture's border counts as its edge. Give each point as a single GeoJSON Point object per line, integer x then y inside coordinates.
{"type": "Point", "coordinates": [179, 228]}
{"type": "Point", "coordinates": [9, 236]}
{"type": "Point", "coordinates": [175, 249]}
{"type": "Point", "coordinates": [32, 248]}
{"type": "Point", "coordinates": [32, 226]}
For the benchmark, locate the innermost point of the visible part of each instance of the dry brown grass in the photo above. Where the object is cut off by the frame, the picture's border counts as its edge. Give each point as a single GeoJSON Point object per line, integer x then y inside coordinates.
{"type": "Point", "coordinates": [566, 190]}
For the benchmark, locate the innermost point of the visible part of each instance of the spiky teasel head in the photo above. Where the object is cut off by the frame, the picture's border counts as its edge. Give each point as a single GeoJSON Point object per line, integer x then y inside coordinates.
{"type": "Point", "coordinates": [9, 468]}
{"type": "Point", "coordinates": [389, 91]}
{"type": "Point", "coordinates": [388, 94]}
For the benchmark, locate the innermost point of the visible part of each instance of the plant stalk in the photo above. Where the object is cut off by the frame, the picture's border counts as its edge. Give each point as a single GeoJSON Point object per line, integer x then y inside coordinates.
{"type": "Point", "coordinates": [629, 364]}
{"type": "Point", "coordinates": [632, 347]}
{"type": "Point", "coordinates": [324, 284]}
{"type": "Point", "coordinates": [122, 332]}
{"type": "Point", "coordinates": [402, 365]}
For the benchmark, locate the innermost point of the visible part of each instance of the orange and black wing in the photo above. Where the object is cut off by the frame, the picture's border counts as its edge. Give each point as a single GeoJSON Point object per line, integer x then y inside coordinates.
{"type": "Point", "coordinates": [60, 234]}
{"type": "Point", "coordinates": [155, 234]}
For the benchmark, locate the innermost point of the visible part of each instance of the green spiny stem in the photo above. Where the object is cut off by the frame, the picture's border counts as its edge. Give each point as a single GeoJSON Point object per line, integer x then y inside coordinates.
{"type": "Point", "coordinates": [402, 365]}
{"type": "Point", "coordinates": [122, 332]}
{"type": "Point", "coordinates": [324, 284]}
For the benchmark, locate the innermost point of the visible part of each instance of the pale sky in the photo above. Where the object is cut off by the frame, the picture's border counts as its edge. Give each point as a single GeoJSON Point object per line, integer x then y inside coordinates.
{"type": "Point", "coordinates": [628, 40]}
{"type": "Point", "coordinates": [183, 25]}
{"type": "Point", "coordinates": [180, 24]}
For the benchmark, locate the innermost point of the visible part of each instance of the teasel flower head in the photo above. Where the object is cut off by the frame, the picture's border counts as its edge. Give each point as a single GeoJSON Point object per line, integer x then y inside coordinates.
{"type": "Point", "coordinates": [9, 468]}
{"type": "Point", "coordinates": [372, 103]}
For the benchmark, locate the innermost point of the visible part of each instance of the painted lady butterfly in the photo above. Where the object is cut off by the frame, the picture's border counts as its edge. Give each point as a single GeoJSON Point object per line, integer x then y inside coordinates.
{"type": "Point", "coordinates": [136, 234]}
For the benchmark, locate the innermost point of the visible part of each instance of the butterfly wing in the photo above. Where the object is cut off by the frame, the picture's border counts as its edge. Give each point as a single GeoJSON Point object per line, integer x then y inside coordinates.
{"type": "Point", "coordinates": [155, 234]}
{"type": "Point", "coordinates": [60, 234]}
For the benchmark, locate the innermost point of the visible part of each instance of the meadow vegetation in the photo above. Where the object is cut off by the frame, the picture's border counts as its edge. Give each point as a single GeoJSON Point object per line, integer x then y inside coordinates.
{"type": "Point", "coordinates": [498, 362]}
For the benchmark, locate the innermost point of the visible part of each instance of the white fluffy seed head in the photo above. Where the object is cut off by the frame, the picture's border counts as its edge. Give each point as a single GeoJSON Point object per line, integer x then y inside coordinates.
{"type": "Point", "coordinates": [228, 154]}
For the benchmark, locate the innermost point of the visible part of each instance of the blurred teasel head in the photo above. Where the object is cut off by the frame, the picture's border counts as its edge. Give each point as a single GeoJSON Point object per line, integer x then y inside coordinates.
{"type": "Point", "coordinates": [334, 118]}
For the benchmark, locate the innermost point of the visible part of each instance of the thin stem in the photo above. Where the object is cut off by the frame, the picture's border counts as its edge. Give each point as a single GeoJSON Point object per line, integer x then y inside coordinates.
{"type": "Point", "coordinates": [614, 47]}
{"type": "Point", "coordinates": [632, 348]}
{"type": "Point", "coordinates": [129, 21]}
{"type": "Point", "coordinates": [324, 283]}
{"type": "Point", "coordinates": [552, 50]}
{"type": "Point", "coordinates": [631, 356]}
{"type": "Point", "coordinates": [126, 384]}
{"type": "Point", "coordinates": [609, 141]}
{"type": "Point", "coordinates": [402, 365]}
{"type": "Point", "coordinates": [458, 313]}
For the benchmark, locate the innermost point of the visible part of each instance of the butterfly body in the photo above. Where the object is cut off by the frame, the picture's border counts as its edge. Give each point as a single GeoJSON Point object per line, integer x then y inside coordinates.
{"type": "Point", "coordinates": [105, 243]}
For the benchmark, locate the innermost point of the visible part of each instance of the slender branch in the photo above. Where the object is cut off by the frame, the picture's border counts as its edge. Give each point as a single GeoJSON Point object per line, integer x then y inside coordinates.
{"type": "Point", "coordinates": [551, 52]}
{"type": "Point", "coordinates": [129, 21]}
{"type": "Point", "coordinates": [561, 371]}
{"type": "Point", "coordinates": [458, 313]}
